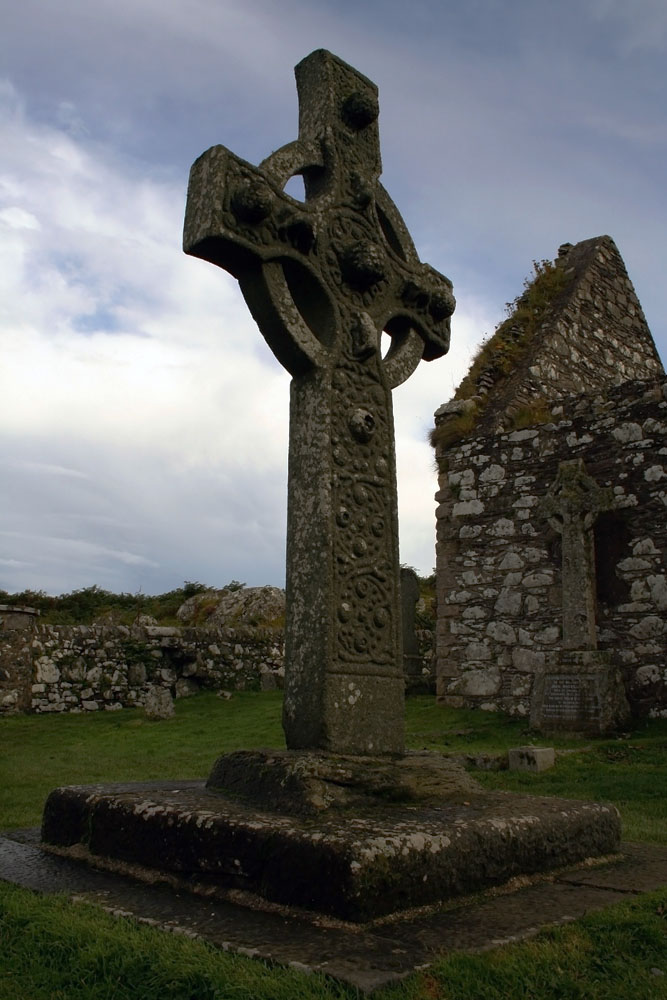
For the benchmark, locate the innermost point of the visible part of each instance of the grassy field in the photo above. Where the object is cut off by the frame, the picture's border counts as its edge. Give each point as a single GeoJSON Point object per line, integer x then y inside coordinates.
{"type": "Point", "coordinates": [52, 949]}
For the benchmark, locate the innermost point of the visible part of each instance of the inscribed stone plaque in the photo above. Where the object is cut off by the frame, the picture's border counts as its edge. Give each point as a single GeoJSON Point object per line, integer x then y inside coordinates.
{"type": "Point", "coordinates": [570, 699]}
{"type": "Point", "coordinates": [578, 691]}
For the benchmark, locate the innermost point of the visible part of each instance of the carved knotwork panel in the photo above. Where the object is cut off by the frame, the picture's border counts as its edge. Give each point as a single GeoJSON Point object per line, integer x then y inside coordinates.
{"type": "Point", "coordinates": [364, 499]}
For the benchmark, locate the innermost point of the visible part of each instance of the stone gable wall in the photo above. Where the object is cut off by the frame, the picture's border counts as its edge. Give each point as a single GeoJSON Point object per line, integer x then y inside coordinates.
{"type": "Point", "coordinates": [594, 336]}
{"type": "Point", "coordinates": [498, 562]}
{"type": "Point", "coordinates": [600, 336]}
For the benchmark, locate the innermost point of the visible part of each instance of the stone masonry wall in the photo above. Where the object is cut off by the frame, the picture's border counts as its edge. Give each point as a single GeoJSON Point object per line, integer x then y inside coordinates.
{"type": "Point", "coordinates": [499, 565]}
{"type": "Point", "coordinates": [87, 668]}
{"type": "Point", "coordinates": [600, 335]}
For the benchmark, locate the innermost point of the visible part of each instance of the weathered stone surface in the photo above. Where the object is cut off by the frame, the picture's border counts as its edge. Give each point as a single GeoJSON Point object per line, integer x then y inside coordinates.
{"type": "Point", "coordinates": [86, 663]}
{"type": "Point", "coordinates": [576, 367]}
{"type": "Point", "coordinates": [247, 606]}
{"type": "Point", "coordinates": [418, 660]}
{"type": "Point", "coordinates": [630, 546]}
{"type": "Point", "coordinates": [480, 683]}
{"type": "Point", "coordinates": [159, 704]}
{"type": "Point", "coordinates": [16, 676]}
{"type": "Point", "coordinates": [571, 507]}
{"type": "Point", "coordinates": [323, 279]}
{"type": "Point", "coordinates": [305, 782]}
{"type": "Point", "coordinates": [186, 688]}
{"type": "Point", "coordinates": [353, 865]}
{"type": "Point", "coordinates": [579, 692]}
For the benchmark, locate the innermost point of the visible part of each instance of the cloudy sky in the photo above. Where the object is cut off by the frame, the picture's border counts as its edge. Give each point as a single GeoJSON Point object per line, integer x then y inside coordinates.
{"type": "Point", "coordinates": [143, 426]}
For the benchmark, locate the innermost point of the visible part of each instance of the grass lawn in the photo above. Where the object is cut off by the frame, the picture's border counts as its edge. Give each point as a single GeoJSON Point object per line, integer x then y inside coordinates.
{"type": "Point", "coordinates": [52, 949]}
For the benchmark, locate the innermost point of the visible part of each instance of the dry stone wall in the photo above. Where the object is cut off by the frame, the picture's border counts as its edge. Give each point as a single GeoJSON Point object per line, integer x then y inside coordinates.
{"type": "Point", "coordinates": [16, 624]}
{"type": "Point", "coordinates": [499, 563]}
{"type": "Point", "coordinates": [85, 668]}
{"type": "Point", "coordinates": [57, 668]}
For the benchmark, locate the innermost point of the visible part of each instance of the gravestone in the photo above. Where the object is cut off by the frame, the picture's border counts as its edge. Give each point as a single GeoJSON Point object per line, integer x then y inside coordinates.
{"type": "Point", "coordinates": [17, 625]}
{"type": "Point", "coordinates": [579, 689]}
{"type": "Point", "coordinates": [343, 822]}
{"type": "Point", "coordinates": [413, 662]}
{"type": "Point", "coordinates": [159, 704]}
{"type": "Point", "coordinates": [323, 279]}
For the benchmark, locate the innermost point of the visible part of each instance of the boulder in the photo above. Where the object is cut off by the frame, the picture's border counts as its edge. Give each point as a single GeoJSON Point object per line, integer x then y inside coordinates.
{"type": "Point", "coordinates": [259, 606]}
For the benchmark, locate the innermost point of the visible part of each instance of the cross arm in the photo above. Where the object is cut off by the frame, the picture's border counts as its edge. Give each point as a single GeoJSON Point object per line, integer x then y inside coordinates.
{"type": "Point", "coordinates": [229, 211]}
{"type": "Point", "coordinates": [239, 219]}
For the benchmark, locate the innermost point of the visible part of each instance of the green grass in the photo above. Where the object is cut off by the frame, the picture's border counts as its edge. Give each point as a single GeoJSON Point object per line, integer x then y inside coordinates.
{"type": "Point", "coordinates": [54, 950]}
{"type": "Point", "coordinates": [50, 948]}
{"type": "Point", "coordinates": [41, 752]}
{"type": "Point", "coordinates": [608, 955]}
{"type": "Point", "coordinates": [631, 774]}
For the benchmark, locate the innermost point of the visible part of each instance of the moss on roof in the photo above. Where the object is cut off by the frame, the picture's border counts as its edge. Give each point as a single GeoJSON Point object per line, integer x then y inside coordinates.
{"type": "Point", "coordinates": [500, 355]}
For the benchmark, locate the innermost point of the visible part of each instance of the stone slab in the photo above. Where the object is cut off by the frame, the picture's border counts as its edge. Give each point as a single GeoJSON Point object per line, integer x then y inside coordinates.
{"type": "Point", "coordinates": [353, 864]}
{"type": "Point", "coordinates": [579, 691]}
{"type": "Point", "coordinates": [367, 956]}
{"type": "Point", "coordinates": [310, 782]}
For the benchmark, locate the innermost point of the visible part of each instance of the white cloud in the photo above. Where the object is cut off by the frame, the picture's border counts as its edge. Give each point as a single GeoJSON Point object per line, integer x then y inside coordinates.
{"type": "Point", "coordinates": [18, 218]}
{"type": "Point", "coordinates": [643, 23]}
{"type": "Point", "coordinates": [52, 470]}
{"type": "Point", "coordinates": [504, 133]}
{"type": "Point", "coordinates": [126, 366]}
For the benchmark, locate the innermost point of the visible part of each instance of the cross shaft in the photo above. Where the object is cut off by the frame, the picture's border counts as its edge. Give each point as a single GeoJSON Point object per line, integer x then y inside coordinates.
{"type": "Point", "coordinates": [571, 507]}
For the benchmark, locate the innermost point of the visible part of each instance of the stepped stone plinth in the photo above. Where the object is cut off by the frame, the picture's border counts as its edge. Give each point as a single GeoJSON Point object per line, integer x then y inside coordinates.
{"type": "Point", "coordinates": [353, 838]}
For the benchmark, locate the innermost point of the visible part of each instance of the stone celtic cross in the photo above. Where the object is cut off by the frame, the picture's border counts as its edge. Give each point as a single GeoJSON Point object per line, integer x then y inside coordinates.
{"type": "Point", "coordinates": [571, 506]}
{"type": "Point", "coordinates": [323, 279]}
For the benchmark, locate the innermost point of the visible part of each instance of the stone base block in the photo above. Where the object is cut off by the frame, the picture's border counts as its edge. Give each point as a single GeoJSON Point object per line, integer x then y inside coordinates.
{"type": "Point", "coordinates": [531, 758]}
{"type": "Point", "coordinates": [310, 782]}
{"type": "Point", "coordinates": [354, 863]}
{"type": "Point", "coordinates": [379, 729]}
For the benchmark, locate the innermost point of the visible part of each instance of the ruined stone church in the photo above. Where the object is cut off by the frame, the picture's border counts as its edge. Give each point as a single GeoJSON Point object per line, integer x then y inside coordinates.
{"type": "Point", "coordinates": [551, 520]}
